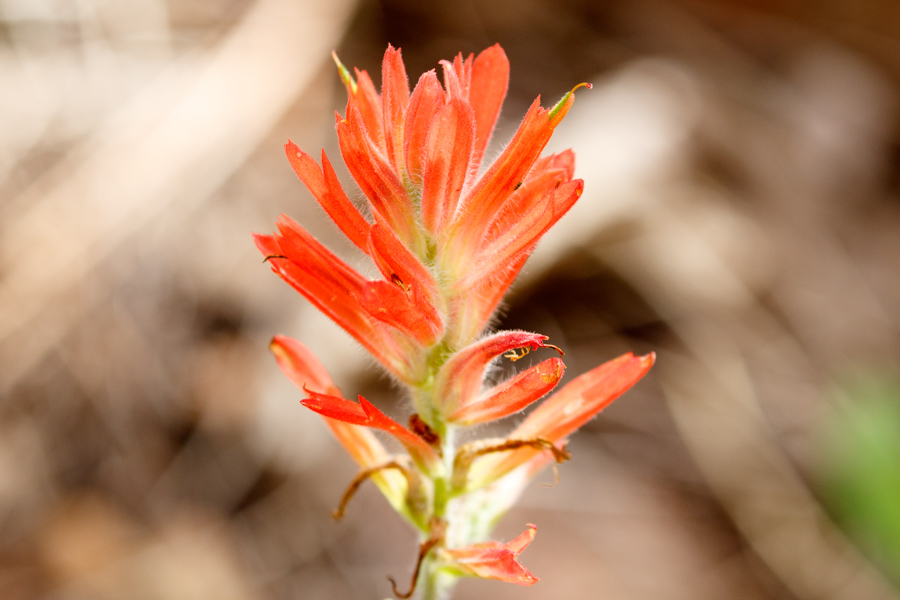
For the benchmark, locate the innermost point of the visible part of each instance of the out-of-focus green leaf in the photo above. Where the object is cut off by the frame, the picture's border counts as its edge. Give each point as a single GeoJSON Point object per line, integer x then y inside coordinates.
{"type": "Point", "coordinates": [861, 467]}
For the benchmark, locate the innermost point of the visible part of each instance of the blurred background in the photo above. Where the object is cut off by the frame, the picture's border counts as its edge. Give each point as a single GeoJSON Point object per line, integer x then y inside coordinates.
{"type": "Point", "coordinates": [741, 218]}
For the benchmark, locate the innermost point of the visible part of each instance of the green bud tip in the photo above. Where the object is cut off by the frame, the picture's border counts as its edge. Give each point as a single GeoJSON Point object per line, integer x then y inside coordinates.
{"type": "Point", "coordinates": [346, 77]}
{"type": "Point", "coordinates": [559, 105]}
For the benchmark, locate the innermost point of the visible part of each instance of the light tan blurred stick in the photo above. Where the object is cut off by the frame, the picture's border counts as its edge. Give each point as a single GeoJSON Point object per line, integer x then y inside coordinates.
{"type": "Point", "coordinates": [164, 153]}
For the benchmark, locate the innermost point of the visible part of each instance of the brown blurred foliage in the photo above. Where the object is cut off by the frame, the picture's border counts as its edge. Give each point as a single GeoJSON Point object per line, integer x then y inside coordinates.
{"type": "Point", "coordinates": [741, 218]}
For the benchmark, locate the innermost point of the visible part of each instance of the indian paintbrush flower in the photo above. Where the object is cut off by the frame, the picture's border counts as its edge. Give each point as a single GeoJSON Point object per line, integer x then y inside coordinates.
{"type": "Point", "coordinates": [448, 238]}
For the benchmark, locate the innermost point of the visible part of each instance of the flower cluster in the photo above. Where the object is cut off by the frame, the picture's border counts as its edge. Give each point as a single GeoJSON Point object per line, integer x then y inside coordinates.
{"type": "Point", "coordinates": [448, 238]}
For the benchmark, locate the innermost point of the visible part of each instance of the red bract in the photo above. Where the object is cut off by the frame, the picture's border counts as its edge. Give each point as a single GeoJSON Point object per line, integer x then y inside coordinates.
{"type": "Point", "coordinates": [301, 366]}
{"type": "Point", "coordinates": [513, 395]}
{"type": "Point", "coordinates": [366, 414]}
{"type": "Point", "coordinates": [560, 415]}
{"type": "Point", "coordinates": [493, 560]}
{"type": "Point", "coordinates": [446, 238]}
{"type": "Point", "coordinates": [460, 378]}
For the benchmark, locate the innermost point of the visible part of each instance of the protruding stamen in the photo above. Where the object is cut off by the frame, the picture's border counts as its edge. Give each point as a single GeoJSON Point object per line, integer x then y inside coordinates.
{"type": "Point", "coordinates": [266, 259]}
{"type": "Point", "coordinates": [565, 99]}
{"type": "Point", "coordinates": [466, 456]}
{"type": "Point", "coordinates": [557, 348]}
{"type": "Point", "coordinates": [520, 353]}
{"type": "Point", "coordinates": [438, 527]}
{"type": "Point", "coordinates": [351, 490]}
{"type": "Point", "coordinates": [514, 355]}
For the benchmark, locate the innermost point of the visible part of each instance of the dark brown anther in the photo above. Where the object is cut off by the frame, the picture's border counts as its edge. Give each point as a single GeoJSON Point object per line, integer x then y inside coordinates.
{"type": "Point", "coordinates": [557, 348]}
{"type": "Point", "coordinates": [395, 279]}
{"type": "Point", "coordinates": [422, 429]}
{"type": "Point", "coordinates": [518, 185]}
{"type": "Point", "coordinates": [271, 256]}
{"type": "Point", "coordinates": [438, 527]}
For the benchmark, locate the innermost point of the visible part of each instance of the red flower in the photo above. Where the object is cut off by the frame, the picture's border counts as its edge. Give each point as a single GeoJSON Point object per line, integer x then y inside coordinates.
{"type": "Point", "coordinates": [301, 366]}
{"type": "Point", "coordinates": [560, 415]}
{"type": "Point", "coordinates": [447, 241]}
{"type": "Point", "coordinates": [493, 560]}
{"type": "Point", "coordinates": [416, 157]}
{"type": "Point", "coordinates": [366, 414]}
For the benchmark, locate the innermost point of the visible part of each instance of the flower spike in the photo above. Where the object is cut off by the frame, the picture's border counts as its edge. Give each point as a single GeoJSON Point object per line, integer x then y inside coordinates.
{"type": "Point", "coordinates": [444, 239]}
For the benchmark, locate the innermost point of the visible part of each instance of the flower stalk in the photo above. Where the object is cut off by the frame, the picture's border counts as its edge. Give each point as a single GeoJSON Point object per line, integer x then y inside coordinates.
{"type": "Point", "coordinates": [448, 237]}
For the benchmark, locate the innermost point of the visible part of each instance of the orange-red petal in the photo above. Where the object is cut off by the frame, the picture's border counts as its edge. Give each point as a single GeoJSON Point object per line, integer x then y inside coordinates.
{"type": "Point", "coordinates": [403, 309]}
{"type": "Point", "coordinates": [332, 286]}
{"type": "Point", "coordinates": [375, 175]}
{"type": "Point", "coordinates": [488, 194]}
{"type": "Point", "coordinates": [520, 238]}
{"type": "Point", "coordinates": [427, 99]}
{"type": "Point", "coordinates": [324, 185]}
{"type": "Point", "coordinates": [546, 174]}
{"type": "Point", "coordinates": [455, 78]}
{"type": "Point", "coordinates": [398, 264]}
{"type": "Point", "coordinates": [366, 414]}
{"type": "Point", "coordinates": [487, 90]}
{"type": "Point", "coordinates": [447, 161]}
{"type": "Point", "coordinates": [564, 412]}
{"type": "Point", "coordinates": [301, 366]}
{"type": "Point", "coordinates": [579, 401]}
{"type": "Point", "coordinates": [513, 395]}
{"type": "Point", "coordinates": [394, 100]}
{"type": "Point", "coordinates": [368, 102]}
{"type": "Point", "coordinates": [493, 560]}
{"type": "Point", "coordinates": [460, 379]}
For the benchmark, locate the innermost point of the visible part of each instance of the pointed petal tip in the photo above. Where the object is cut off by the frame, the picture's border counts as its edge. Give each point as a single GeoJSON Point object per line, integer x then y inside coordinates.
{"type": "Point", "coordinates": [392, 54]}
{"type": "Point", "coordinates": [293, 151]}
{"type": "Point", "coordinates": [525, 538]}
